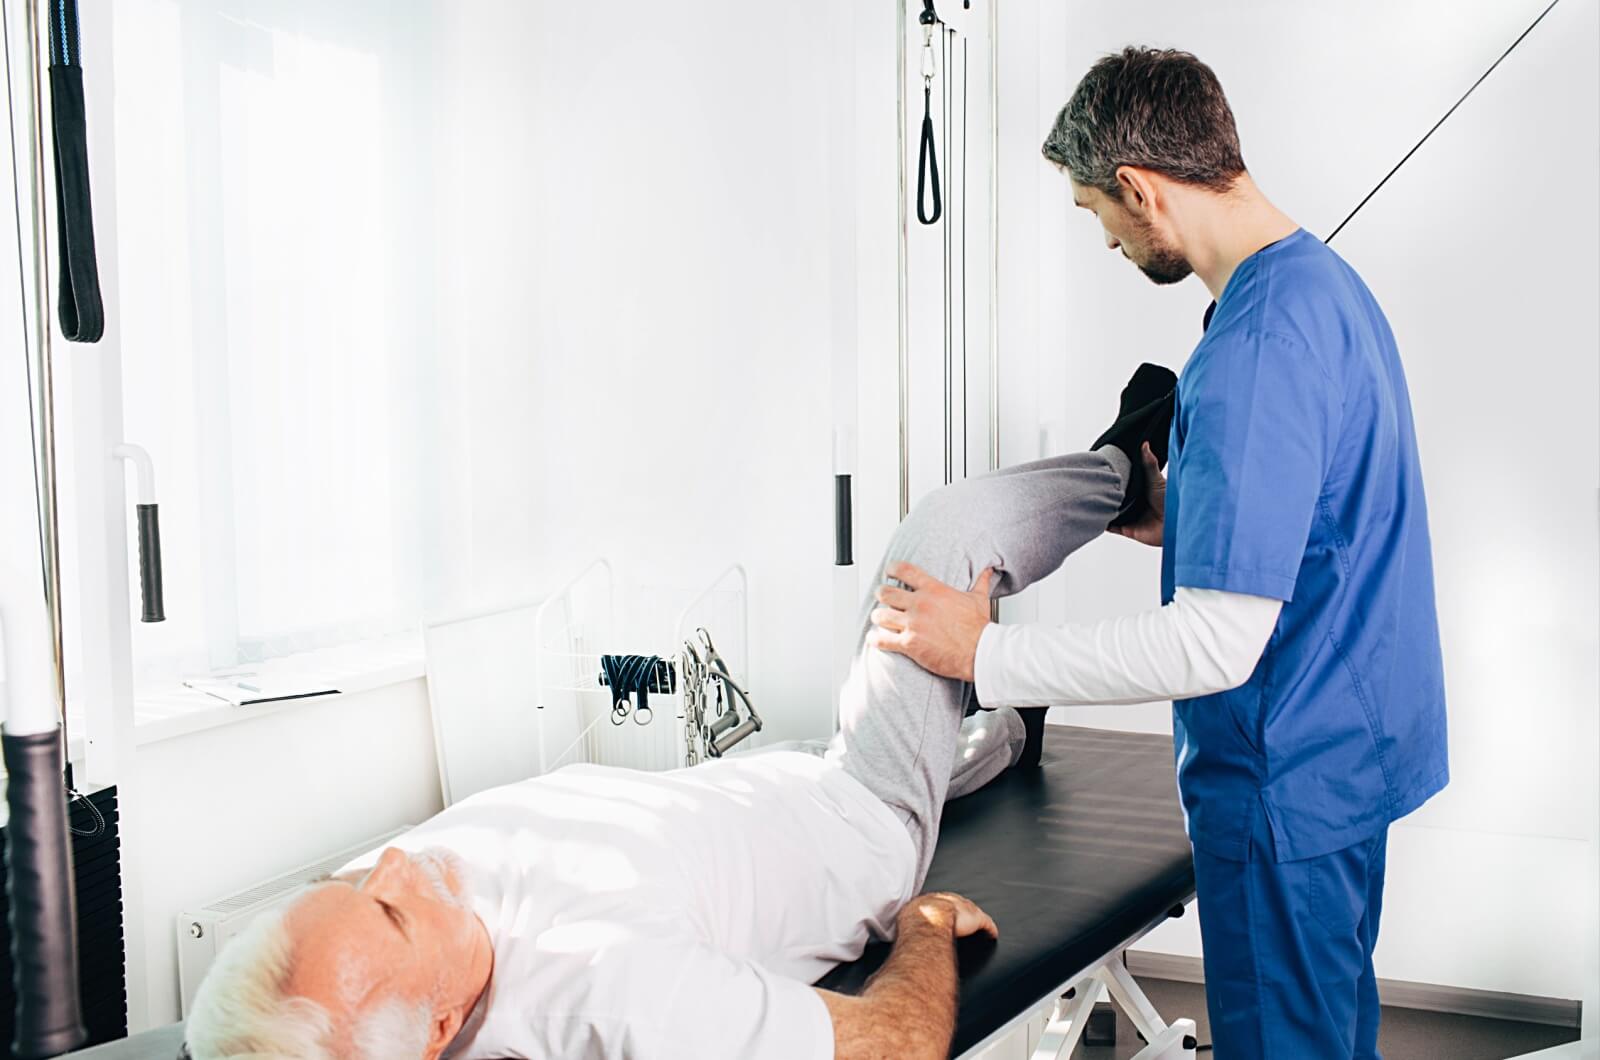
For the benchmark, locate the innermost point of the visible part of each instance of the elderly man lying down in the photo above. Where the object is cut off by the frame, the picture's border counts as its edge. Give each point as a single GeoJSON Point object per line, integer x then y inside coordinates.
{"type": "Point", "coordinates": [599, 912]}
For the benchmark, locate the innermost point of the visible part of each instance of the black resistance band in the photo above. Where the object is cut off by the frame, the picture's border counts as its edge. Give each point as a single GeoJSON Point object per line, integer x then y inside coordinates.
{"type": "Point", "coordinates": [82, 313]}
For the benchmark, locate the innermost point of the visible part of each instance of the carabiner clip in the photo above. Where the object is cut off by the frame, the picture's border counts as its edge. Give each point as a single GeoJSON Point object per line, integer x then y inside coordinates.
{"type": "Point", "coordinates": [927, 153]}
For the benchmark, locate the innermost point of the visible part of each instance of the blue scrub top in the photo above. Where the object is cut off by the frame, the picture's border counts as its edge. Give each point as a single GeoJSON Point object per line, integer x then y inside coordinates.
{"type": "Point", "coordinates": [1294, 475]}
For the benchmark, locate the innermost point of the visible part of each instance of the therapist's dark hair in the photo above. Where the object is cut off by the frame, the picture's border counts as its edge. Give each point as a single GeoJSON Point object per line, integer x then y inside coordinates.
{"type": "Point", "coordinates": [1153, 108]}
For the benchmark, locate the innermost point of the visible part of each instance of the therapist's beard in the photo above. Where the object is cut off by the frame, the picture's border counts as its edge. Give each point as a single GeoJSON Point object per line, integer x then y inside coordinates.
{"type": "Point", "coordinates": [1164, 264]}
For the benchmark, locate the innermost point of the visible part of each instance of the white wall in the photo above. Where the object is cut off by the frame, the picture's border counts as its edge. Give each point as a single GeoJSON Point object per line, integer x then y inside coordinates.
{"type": "Point", "coordinates": [227, 807]}
{"type": "Point", "coordinates": [1482, 252]}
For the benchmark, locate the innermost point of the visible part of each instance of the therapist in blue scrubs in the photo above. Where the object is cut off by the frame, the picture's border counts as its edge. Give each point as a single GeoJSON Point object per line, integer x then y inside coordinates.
{"type": "Point", "coordinates": [1298, 636]}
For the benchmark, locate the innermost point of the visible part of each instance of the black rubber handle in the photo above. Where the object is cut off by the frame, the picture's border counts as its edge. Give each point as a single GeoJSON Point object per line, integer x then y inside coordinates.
{"type": "Point", "coordinates": [43, 913]}
{"type": "Point", "coordinates": [842, 522]}
{"type": "Point", "coordinates": [155, 608]}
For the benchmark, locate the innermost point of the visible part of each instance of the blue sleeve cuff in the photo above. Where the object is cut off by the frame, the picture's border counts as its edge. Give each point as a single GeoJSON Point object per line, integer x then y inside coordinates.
{"type": "Point", "coordinates": [1250, 582]}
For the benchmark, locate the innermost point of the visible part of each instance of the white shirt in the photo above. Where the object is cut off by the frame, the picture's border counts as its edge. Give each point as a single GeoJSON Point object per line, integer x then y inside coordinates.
{"type": "Point", "coordinates": [1205, 641]}
{"type": "Point", "coordinates": [671, 915]}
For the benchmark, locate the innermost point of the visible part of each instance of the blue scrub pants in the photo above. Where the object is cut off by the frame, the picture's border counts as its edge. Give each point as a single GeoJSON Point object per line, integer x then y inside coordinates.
{"type": "Point", "coordinates": [1288, 951]}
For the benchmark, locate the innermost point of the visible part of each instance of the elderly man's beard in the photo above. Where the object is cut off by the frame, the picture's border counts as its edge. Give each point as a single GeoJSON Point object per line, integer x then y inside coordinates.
{"type": "Point", "coordinates": [1165, 264]}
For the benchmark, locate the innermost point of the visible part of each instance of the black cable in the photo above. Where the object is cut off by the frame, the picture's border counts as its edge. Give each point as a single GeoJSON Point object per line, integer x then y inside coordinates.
{"type": "Point", "coordinates": [76, 796]}
{"type": "Point", "coordinates": [1441, 121]}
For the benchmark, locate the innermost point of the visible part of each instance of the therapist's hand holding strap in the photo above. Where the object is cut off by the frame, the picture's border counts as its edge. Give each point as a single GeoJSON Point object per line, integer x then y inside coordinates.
{"type": "Point", "coordinates": [1148, 530]}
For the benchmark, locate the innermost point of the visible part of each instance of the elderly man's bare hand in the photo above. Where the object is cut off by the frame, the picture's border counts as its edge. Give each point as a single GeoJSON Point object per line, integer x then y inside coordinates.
{"type": "Point", "coordinates": [961, 916]}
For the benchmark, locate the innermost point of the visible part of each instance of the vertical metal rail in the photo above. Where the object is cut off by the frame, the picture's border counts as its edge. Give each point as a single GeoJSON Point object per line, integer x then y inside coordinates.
{"type": "Point", "coordinates": [947, 34]}
{"type": "Point", "coordinates": [900, 191]}
{"type": "Point", "coordinates": [42, 918]}
{"type": "Point", "coordinates": [994, 235]}
{"type": "Point", "coordinates": [966, 130]}
{"type": "Point", "coordinates": [994, 250]}
{"type": "Point", "coordinates": [41, 374]}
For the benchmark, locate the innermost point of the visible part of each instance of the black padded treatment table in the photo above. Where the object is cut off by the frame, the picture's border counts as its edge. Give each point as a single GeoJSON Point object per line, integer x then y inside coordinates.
{"type": "Point", "coordinates": [1075, 861]}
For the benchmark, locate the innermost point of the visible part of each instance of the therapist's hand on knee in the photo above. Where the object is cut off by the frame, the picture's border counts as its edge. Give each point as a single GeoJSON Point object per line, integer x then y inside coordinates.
{"type": "Point", "coordinates": [1148, 529]}
{"type": "Point", "coordinates": [936, 626]}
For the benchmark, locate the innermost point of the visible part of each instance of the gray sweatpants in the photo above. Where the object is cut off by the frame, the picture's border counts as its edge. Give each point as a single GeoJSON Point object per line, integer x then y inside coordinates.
{"type": "Point", "coordinates": [901, 731]}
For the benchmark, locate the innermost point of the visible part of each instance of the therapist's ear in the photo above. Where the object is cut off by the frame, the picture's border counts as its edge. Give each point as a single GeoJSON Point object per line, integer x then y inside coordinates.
{"type": "Point", "coordinates": [1139, 191]}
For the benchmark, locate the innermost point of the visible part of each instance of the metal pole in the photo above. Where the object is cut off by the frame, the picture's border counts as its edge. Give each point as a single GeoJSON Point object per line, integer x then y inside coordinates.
{"type": "Point", "coordinates": [966, 380]}
{"type": "Point", "coordinates": [900, 167]}
{"type": "Point", "coordinates": [994, 234]}
{"type": "Point", "coordinates": [41, 407]}
{"type": "Point", "coordinates": [949, 298]}
{"type": "Point", "coordinates": [42, 912]}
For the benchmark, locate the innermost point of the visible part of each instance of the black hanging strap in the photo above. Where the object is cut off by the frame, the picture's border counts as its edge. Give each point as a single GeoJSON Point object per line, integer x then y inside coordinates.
{"type": "Point", "coordinates": [928, 166]}
{"type": "Point", "coordinates": [928, 157]}
{"type": "Point", "coordinates": [82, 313]}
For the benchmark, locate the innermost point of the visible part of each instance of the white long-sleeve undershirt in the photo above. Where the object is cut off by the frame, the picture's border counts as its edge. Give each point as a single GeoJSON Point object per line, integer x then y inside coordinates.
{"type": "Point", "coordinates": [1205, 641]}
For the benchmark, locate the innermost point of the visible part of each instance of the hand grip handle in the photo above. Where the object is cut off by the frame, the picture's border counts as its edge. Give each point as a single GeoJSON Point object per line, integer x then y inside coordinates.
{"type": "Point", "coordinates": [43, 913]}
{"type": "Point", "coordinates": [154, 606]}
{"type": "Point", "coordinates": [842, 529]}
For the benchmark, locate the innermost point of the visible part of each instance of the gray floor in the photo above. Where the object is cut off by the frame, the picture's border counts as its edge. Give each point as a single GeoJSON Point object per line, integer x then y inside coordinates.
{"type": "Point", "coordinates": [1405, 1034]}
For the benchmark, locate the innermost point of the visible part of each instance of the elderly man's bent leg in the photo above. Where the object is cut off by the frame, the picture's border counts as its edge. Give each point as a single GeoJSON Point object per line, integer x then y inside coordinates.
{"type": "Point", "coordinates": [900, 727]}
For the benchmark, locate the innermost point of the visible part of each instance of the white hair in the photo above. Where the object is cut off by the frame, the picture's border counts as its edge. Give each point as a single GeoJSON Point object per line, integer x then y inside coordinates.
{"type": "Point", "coordinates": [242, 1010]}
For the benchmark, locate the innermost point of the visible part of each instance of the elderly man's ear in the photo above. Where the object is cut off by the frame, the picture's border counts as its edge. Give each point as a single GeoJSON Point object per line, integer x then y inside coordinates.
{"type": "Point", "coordinates": [443, 1030]}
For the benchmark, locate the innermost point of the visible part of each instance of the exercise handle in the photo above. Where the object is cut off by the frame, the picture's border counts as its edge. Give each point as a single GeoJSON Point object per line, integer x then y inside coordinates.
{"type": "Point", "coordinates": [150, 592]}
{"type": "Point", "coordinates": [843, 553]}
{"type": "Point", "coordinates": [148, 519]}
{"type": "Point", "coordinates": [43, 912]}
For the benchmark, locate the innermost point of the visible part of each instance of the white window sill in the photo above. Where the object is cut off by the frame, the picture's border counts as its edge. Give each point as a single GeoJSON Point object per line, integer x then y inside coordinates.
{"type": "Point", "coordinates": [164, 711]}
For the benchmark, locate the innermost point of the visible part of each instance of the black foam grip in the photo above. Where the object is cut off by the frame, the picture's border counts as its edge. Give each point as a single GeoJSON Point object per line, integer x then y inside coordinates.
{"type": "Point", "coordinates": [843, 533]}
{"type": "Point", "coordinates": [43, 917]}
{"type": "Point", "coordinates": [155, 608]}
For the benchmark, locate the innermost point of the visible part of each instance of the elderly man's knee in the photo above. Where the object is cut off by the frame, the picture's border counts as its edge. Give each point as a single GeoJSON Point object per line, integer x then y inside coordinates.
{"type": "Point", "coordinates": [950, 515]}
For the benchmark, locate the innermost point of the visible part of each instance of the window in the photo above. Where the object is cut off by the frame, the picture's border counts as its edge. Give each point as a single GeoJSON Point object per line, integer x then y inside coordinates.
{"type": "Point", "coordinates": [270, 258]}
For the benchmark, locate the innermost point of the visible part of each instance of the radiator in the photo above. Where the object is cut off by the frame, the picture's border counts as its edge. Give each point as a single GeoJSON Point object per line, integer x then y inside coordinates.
{"type": "Point", "coordinates": [202, 933]}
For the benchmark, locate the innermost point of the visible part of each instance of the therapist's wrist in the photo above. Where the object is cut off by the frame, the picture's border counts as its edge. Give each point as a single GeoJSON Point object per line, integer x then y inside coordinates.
{"type": "Point", "coordinates": [984, 683]}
